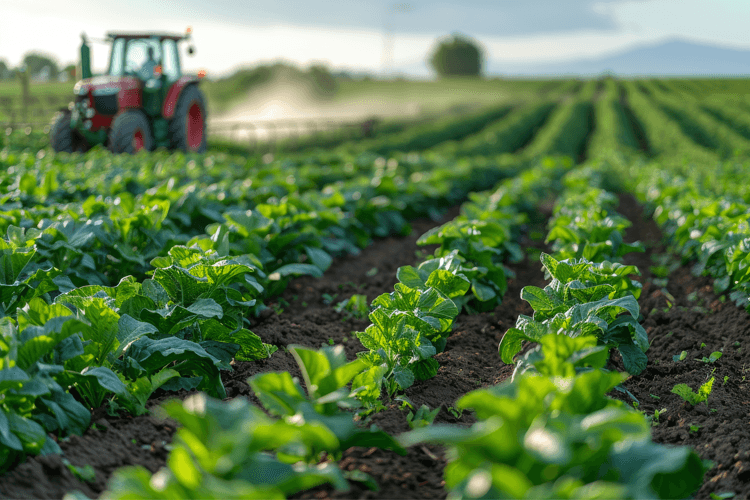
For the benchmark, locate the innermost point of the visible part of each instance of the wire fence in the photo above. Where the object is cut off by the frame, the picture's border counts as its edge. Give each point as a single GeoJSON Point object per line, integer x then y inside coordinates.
{"type": "Point", "coordinates": [39, 111]}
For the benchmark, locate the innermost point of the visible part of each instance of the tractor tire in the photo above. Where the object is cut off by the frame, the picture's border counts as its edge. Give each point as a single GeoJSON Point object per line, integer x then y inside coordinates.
{"type": "Point", "coordinates": [61, 135]}
{"type": "Point", "coordinates": [187, 128]}
{"type": "Point", "coordinates": [130, 133]}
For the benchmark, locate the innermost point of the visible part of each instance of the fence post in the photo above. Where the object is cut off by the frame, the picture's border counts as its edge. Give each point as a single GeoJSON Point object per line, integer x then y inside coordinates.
{"type": "Point", "coordinates": [23, 75]}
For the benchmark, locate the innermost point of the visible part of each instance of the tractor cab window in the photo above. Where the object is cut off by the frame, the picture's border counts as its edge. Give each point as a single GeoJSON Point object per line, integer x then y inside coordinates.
{"type": "Point", "coordinates": [170, 60]}
{"type": "Point", "coordinates": [141, 57]}
{"type": "Point", "coordinates": [116, 58]}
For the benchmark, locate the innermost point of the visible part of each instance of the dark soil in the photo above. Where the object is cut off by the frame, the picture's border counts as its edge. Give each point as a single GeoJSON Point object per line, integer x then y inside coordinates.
{"type": "Point", "coordinates": [679, 315]}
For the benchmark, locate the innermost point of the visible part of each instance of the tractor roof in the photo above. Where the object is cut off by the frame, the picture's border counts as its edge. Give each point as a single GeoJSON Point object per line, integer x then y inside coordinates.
{"type": "Point", "coordinates": [148, 34]}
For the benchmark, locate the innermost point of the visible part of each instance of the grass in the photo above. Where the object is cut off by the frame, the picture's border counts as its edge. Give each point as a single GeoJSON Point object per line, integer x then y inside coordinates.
{"type": "Point", "coordinates": [48, 96]}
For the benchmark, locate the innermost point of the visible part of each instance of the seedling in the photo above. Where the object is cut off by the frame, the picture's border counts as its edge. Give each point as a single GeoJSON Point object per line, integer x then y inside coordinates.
{"type": "Point", "coordinates": [456, 412]}
{"type": "Point", "coordinates": [679, 357]}
{"type": "Point", "coordinates": [695, 428]}
{"type": "Point", "coordinates": [356, 306]}
{"type": "Point", "coordinates": [423, 418]}
{"type": "Point", "coordinates": [657, 414]}
{"type": "Point", "coordinates": [372, 272]}
{"type": "Point", "coordinates": [86, 473]}
{"type": "Point", "coordinates": [703, 344]}
{"type": "Point", "coordinates": [405, 401]}
{"type": "Point", "coordinates": [328, 298]}
{"type": "Point", "coordinates": [726, 379]}
{"type": "Point", "coordinates": [654, 396]}
{"type": "Point", "coordinates": [710, 359]}
{"type": "Point", "coordinates": [686, 393]}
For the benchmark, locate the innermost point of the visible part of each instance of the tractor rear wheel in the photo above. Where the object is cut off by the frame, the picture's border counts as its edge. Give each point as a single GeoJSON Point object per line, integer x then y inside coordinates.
{"type": "Point", "coordinates": [130, 132]}
{"type": "Point", "coordinates": [187, 129]}
{"type": "Point", "coordinates": [61, 135]}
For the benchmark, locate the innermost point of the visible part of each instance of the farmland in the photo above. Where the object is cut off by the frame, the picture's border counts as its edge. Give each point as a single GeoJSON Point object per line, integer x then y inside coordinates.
{"type": "Point", "coordinates": [521, 300]}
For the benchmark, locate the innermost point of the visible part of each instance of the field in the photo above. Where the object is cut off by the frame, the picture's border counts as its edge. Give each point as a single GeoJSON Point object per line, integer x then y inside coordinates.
{"type": "Point", "coordinates": [544, 295]}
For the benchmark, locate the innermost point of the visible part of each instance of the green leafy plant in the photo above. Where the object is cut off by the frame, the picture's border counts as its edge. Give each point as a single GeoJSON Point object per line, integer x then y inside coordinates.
{"type": "Point", "coordinates": [553, 433]}
{"type": "Point", "coordinates": [657, 414]}
{"type": "Point", "coordinates": [422, 418]}
{"type": "Point", "coordinates": [20, 279]}
{"type": "Point", "coordinates": [584, 298]}
{"type": "Point", "coordinates": [478, 241]}
{"type": "Point", "coordinates": [585, 226]}
{"type": "Point", "coordinates": [232, 450]}
{"type": "Point", "coordinates": [33, 395]}
{"type": "Point", "coordinates": [326, 374]}
{"type": "Point", "coordinates": [356, 306]}
{"type": "Point", "coordinates": [711, 358]}
{"type": "Point", "coordinates": [680, 357]}
{"type": "Point", "coordinates": [85, 473]}
{"type": "Point", "coordinates": [686, 393]}
{"type": "Point", "coordinates": [411, 324]}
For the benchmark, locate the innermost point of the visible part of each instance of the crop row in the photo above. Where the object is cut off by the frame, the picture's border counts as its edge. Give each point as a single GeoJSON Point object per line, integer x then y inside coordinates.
{"type": "Point", "coordinates": [403, 320]}
{"type": "Point", "coordinates": [177, 329]}
{"type": "Point", "coordinates": [215, 246]}
{"type": "Point", "coordinates": [665, 137]}
{"type": "Point", "coordinates": [614, 130]}
{"type": "Point", "coordinates": [700, 126]}
{"type": "Point", "coordinates": [702, 227]}
{"type": "Point", "coordinates": [529, 441]}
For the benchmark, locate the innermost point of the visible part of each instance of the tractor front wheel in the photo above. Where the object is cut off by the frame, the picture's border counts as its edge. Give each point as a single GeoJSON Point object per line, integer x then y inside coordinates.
{"type": "Point", "coordinates": [130, 133]}
{"type": "Point", "coordinates": [61, 135]}
{"type": "Point", "coordinates": [187, 129]}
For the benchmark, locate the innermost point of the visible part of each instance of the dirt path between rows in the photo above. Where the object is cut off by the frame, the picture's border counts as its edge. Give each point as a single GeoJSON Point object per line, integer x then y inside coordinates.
{"type": "Point", "coordinates": [678, 315]}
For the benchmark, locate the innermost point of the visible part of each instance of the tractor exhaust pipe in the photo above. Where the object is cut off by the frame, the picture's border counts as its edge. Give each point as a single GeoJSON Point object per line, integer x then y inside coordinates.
{"type": "Point", "coordinates": [85, 58]}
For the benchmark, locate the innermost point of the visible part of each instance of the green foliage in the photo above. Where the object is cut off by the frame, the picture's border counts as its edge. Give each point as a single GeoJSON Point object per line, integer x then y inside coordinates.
{"type": "Point", "coordinates": [506, 135]}
{"type": "Point", "coordinates": [686, 393]}
{"type": "Point", "coordinates": [476, 248]}
{"type": "Point", "coordinates": [411, 324]}
{"type": "Point", "coordinates": [422, 418]}
{"type": "Point", "coordinates": [457, 55]}
{"type": "Point", "coordinates": [326, 374]}
{"type": "Point", "coordinates": [585, 225]}
{"type": "Point", "coordinates": [583, 299]}
{"type": "Point", "coordinates": [553, 433]}
{"type": "Point", "coordinates": [21, 279]}
{"type": "Point", "coordinates": [33, 395]}
{"type": "Point", "coordinates": [232, 450]}
{"type": "Point", "coordinates": [356, 306]}
{"type": "Point", "coordinates": [35, 63]}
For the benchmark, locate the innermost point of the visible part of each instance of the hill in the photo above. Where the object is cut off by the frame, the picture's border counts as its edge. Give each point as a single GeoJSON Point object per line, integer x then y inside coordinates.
{"type": "Point", "coordinates": [670, 58]}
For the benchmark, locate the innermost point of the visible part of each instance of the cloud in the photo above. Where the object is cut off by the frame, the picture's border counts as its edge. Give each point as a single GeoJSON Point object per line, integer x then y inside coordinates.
{"type": "Point", "coordinates": [473, 17]}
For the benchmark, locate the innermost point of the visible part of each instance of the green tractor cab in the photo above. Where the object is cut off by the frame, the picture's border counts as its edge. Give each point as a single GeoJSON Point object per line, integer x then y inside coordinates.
{"type": "Point", "coordinates": [142, 102]}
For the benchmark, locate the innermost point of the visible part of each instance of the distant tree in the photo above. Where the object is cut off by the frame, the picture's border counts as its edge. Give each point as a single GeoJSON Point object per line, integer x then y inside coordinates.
{"type": "Point", "coordinates": [322, 78]}
{"type": "Point", "coordinates": [35, 64]}
{"type": "Point", "coordinates": [457, 55]}
{"type": "Point", "coordinates": [5, 71]}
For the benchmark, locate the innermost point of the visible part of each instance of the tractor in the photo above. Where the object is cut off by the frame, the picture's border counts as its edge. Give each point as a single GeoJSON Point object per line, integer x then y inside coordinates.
{"type": "Point", "coordinates": [141, 103]}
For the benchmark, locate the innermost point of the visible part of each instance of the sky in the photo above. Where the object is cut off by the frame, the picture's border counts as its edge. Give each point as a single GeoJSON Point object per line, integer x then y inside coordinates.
{"type": "Point", "coordinates": [373, 36]}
